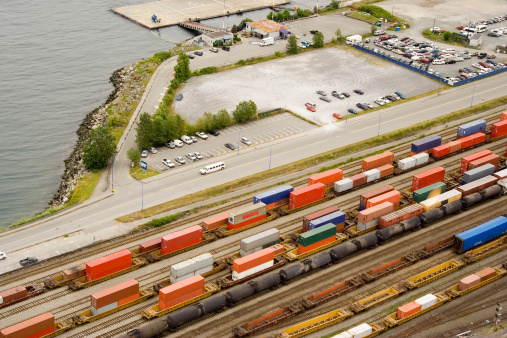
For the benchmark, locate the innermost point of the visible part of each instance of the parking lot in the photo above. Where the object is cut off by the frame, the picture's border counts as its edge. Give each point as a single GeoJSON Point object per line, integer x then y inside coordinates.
{"type": "Point", "coordinates": [258, 132]}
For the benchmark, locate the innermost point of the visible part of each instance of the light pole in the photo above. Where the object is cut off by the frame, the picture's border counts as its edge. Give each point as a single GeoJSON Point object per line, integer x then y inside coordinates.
{"type": "Point", "coordinates": [269, 155]}
{"type": "Point", "coordinates": [379, 121]}
{"type": "Point", "coordinates": [112, 175]}
{"type": "Point", "coordinates": [142, 195]}
{"type": "Point", "coordinates": [239, 137]}
{"type": "Point", "coordinates": [473, 92]}
{"type": "Point", "coordinates": [347, 114]}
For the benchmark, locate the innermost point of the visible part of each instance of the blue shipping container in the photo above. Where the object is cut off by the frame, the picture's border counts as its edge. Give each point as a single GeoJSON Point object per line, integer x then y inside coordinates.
{"type": "Point", "coordinates": [335, 218]}
{"type": "Point", "coordinates": [479, 172]}
{"type": "Point", "coordinates": [480, 234]}
{"type": "Point", "coordinates": [273, 196]}
{"type": "Point", "coordinates": [426, 143]}
{"type": "Point", "coordinates": [471, 128]}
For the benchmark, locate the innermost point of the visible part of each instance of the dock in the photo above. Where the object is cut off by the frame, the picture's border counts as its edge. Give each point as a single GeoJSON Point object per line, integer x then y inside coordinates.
{"type": "Point", "coordinates": [174, 12]}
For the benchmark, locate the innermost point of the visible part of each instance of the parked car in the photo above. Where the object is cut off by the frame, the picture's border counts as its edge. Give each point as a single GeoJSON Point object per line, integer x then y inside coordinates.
{"type": "Point", "coordinates": [168, 163]}
{"type": "Point", "coordinates": [193, 138]}
{"type": "Point", "coordinates": [482, 55]}
{"type": "Point", "coordinates": [313, 31]}
{"type": "Point", "coordinates": [28, 261]}
{"type": "Point", "coordinates": [338, 95]}
{"type": "Point", "coordinates": [400, 95]}
{"type": "Point", "coordinates": [230, 146]}
{"type": "Point", "coordinates": [180, 160]}
{"type": "Point", "coordinates": [170, 145]}
{"type": "Point", "coordinates": [321, 92]}
{"type": "Point", "coordinates": [198, 155]}
{"type": "Point", "coordinates": [493, 34]}
{"type": "Point", "coordinates": [358, 91]}
{"type": "Point", "coordinates": [186, 139]}
{"type": "Point", "coordinates": [179, 97]}
{"type": "Point", "coordinates": [214, 50]}
{"type": "Point", "coordinates": [380, 102]}
{"type": "Point", "coordinates": [369, 105]}
{"type": "Point", "coordinates": [144, 153]}
{"type": "Point", "coordinates": [198, 52]}
{"type": "Point", "coordinates": [352, 111]}
{"type": "Point", "coordinates": [191, 157]}
{"type": "Point", "coordinates": [178, 143]}
{"type": "Point", "coordinates": [491, 56]}
{"type": "Point", "coordinates": [213, 132]}
{"type": "Point", "coordinates": [325, 98]}
{"type": "Point", "coordinates": [345, 94]}
{"type": "Point", "coordinates": [202, 135]}
{"type": "Point", "coordinates": [226, 48]}
{"type": "Point", "coordinates": [338, 116]}
{"type": "Point", "coordinates": [362, 106]}
{"type": "Point", "coordinates": [390, 98]}
{"type": "Point", "coordinates": [2, 255]}
{"type": "Point", "coordinates": [152, 150]}
{"type": "Point", "coordinates": [246, 141]}
{"type": "Point", "coordinates": [310, 108]}
{"type": "Point", "coordinates": [306, 44]}
{"type": "Point", "coordinates": [190, 56]}
{"type": "Point", "coordinates": [379, 32]}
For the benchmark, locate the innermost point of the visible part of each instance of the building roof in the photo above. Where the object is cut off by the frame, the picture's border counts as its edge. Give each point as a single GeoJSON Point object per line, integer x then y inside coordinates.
{"type": "Point", "coordinates": [476, 36]}
{"type": "Point", "coordinates": [218, 34]}
{"type": "Point", "coordinates": [267, 25]}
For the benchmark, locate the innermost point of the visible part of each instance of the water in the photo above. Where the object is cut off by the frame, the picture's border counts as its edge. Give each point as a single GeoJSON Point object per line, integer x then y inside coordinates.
{"type": "Point", "coordinates": [56, 58]}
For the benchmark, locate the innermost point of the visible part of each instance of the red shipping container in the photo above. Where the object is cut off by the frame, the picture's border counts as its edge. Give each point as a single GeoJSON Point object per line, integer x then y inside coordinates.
{"type": "Point", "coordinates": [477, 185]}
{"type": "Point", "coordinates": [467, 159]}
{"type": "Point", "coordinates": [468, 282]}
{"type": "Point", "coordinates": [376, 161]}
{"type": "Point", "coordinates": [277, 204]}
{"type": "Point", "coordinates": [408, 310]}
{"type": "Point", "coordinates": [454, 146]}
{"type": "Point", "coordinates": [306, 195]}
{"type": "Point", "coordinates": [499, 129]}
{"type": "Point", "coordinates": [386, 170]}
{"type": "Point", "coordinates": [33, 328]}
{"type": "Point", "coordinates": [74, 272]}
{"type": "Point", "coordinates": [368, 215]}
{"type": "Point", "coordinates": [442, 150]}
{"type": "Point", "coordinates": [215, 222]}
{"type": "Point", "coordinates": [277, 249]}
{"type": "Point", "coordinates": [358, 180]}
{"type": "Point", "coordinates": [180, 292]}
{"type": "Point", "coordinates": [107, 265]}
{"type": "Point", "coordinates": [491, 159]}
{"type": "Point", "coordinates": [13, 294]}
{"type": "Point", "coordinates": [472, 140]}
{"type": "Point", "coordinates": [305, 249]}
{"type": "Point", "coordinates": [128, 299]}
{"type": "Point", "coordinates": [150, 245]}
{"type": "Point", "coordinates": [486, 274]}
{"type": "Point", "coordinates": [115, 294]}
{"type": "Point", "coordinates": [251, 261]}
{"type": "Point", "coordinates": [363, 199]}
{"type": "Point", "coordinates": [392, 196]}
{"type": "Point", "coordinates": [308, 218]}
{"type": "Point", "coordinates": [503, 116]}
{"type": "Point", "coordinates": [400, 215]}
{"type": "Point", "coordinates": [428, 178]}
{"type": "Point", "coordinates": [181, 239]}
{"type": "Point", "coordinates": [327, 177]}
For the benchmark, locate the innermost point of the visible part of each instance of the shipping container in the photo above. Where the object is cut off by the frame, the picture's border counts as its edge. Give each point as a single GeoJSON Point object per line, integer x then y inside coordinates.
{"type": "Point", "coordinates": [475, 186]}
{"type": "Point", "coordinates": [275, 197]}
{"type": "Point", "coordinates": [109, 264]}
{"type": "Point", "coordinates": [491, 159]}
{"type": "Point", "coordinates": [401, 215]}
{"type": "Point", "coordinates": [501, 174]}
{"type": "Point", "coordinates": [392, 196]}
{"type": "Point", "coordinates": [477, 173]}
{"type": "Point", "coordinates": [247, 215]}
{"type": "Point", "coordinates": [306, 195]}
{"type": "Point", "coordinates": [442, 150]}
{"type": "Point", "coordinates": [363, 199]}
{"type": "Point", "coordinates": [374, 213]}
{"type": "Point", "coordinates": [327, 177]}
{"type": "Point", "coordinates": [180, 292]}
{"type": "Point", "coordinates": [150, 245]}
{"type": "Point", "coordinates": [468, 282]}
{"type": "Point", "coordinates": [343, 185]}
{"type": "Point", "coordinates": [104, 308]}
{"type": "Point", "coordinates": [316, 235]}
{"type": "Point", "coordinates": [472, 140]}
{"type": "Point", "coordinates": [74, 272]}
{"type": "Point", "coordinates": [426, 301]}
{"type": "Point", "coordinates": [190, 266]}
{"type": "Point", "coordinates": [337, 218]}
{"type": "Point", "coordinates": [428, 192]}
{"type": "Point", "coordinates": [480, 234]}
{"type": "Point", "coordinates": [358, 180]}
{"type": "Point", "coordinates": [215, 222]}
{"type": "Point", "coordinates": [372, 175]}
{"type": "Point", "coordinates": [442, 199]}
{"type": "Point", "coordinates": [32, 328]}
{"type": "Point", "coordinates": [251, 271]}
{"type": "Point", "coordinates": [503, 116]}
{"type": "Point", "coordinates": [308, 218]}
{"type": "Point", "coordinates": [499, 129]}
{"type": "Point", "coordinates": [467, 159]}
{"type": "Point", "coordinates": [115, 294]}
{"type": "Point", "coordinates": [486, 274]}
{"type": "Point", "coordinates": [386, 170]}
{"type": "Point", "coordinates": [181, 239]}
{"type": "Point", "coordinates": [10, 295]}
{"type": "Point", "coordinates": [253, 260]}
{"type": "Point", "coordinates": [471, 128]}
{"type": "Point", "coordinates": [304, 249]}
{"type": "Point", "coordinates": [360, 331]}
{"type": "Point", "coordinates": [408, 310]}
{"type": "Point", "coordinates": [378, 160]}
{"type": "Point", "coordinates": [427, 178]}
{"type": "Point", "coordinates": [421, 158]}
{"type": "Point", "coordinates": [258, 241]}
{"type": "Point", "coordinates": [277, 249]}
{"type": "Point", "coordinates": [407, 163]}
{"type": "Point", "coordinates": [426, 144]}
{"type": "Point", "coordinates": [454, 146]}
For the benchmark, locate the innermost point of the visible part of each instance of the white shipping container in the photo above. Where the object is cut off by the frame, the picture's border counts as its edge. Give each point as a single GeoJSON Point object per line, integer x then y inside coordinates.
{"type": "Point", "coordinates": [421, 158]}
{"type": "Point", "coordinates": [1, 300]}
{"type": "Point", "coordinates": [361, 226]}
{"type": "Point", "coordinates": [236, 276]}
{"type": "Point", "coordinates": [501, 174]}
{"type": "Point", "coordinates": [503, 184]}
{"type": "Point", "coordinates": [259, 240]}
{"type": "Point", "coordinates": [183, 268]}
{"type": "Point", "coordinates": [103, 309]}
{"type": "Point", "coordinates": [343, 185]}
{"type": "Point", "coordinates": [179, 279]}
{"type": "Point", "coordinates": [345, 334]}
{"type": "Point", "coordinates": [440, 198]}
{"type": "Point", "coordinates": [372, 175]}
{"type": "Point", "coordinates": [427, 301]}
{"type": "Point", "coordinates": [406, 163]}
{"type": "Point", "coordinates": [203, 261]}
{"type": "Point", "coordinates": [244, 253]}
{"type": "Point", "coordinates": [204, 270]}
{"type": "Point", "coordinates": [361, 331]}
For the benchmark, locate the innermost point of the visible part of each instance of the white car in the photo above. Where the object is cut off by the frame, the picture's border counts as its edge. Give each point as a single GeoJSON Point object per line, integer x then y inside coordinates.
{"type": "Point", "coordinates": [191, 156]}
{"type": "Point", "coordinates": [168, 163]}
{"type": "Point", "coordinates": [152, 150]}
{"type": "Point", "coordinates": [144, 153]}
{"type": "Point", "coordinates": [178, 143]}
{"type": "Point", "coordinates": [2, 255]}
{"type": "Point", "coordinates": [438, 62]}
{"type": "Point", "coordinates": [246, 141]}
{"type": "Point", "coordinates": [380, 102]}
{"type": "Point", "coordinates": [202, 135]}
{"type": "Point", "coordinates": [187, 139]}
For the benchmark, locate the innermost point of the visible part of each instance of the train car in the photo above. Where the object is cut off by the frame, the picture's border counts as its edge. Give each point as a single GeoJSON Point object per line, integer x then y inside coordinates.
{"type": "Point", "coordinates": [427, 178]}
{"type": "Point", "coordinates": [306, 195]}
{"type": "Point", "coordinates": [412, 310]}
{"type": "Point", "coordinates": [39, 326]}
{"type": "Point", "coordinates": [377, 298]}
{"type": "Point", "coordinates": [471, 128]}
{"type": "Point", "coordinates": [480, 234]}
{"type": "Point", "coordinates": [432, 274]}
{"type": "Point", "coordinates": [274, 198]}
{"type": "Point", "coordinates": [363, 199]}
{"type": "Point", "coordinates": [308, 218]}
{"type": "Point", "coordinates": [63, 278]}
{"type": "Point", "coordinates": [317, 323]}
{"type": "Point", "coordinates": [18, 294]}
{"type": "Point", "coordinates": [430, 191]}
{"type": "Point", "coordinates": [215, 222]}
{"type": "Point", "coordinates": [379, 160]}
{"type": "Point", "coordinates": [478, 185]}
{"type": "Point", "coordinates": [477, 280]}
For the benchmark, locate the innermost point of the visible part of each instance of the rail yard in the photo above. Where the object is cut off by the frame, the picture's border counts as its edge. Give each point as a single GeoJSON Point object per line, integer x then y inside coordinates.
{"type": "Point", "coordinates": [312, 281]}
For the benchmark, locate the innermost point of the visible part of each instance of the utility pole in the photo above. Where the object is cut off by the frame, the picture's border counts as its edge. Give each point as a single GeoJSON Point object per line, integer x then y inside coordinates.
{"type": "Point", "coordinates": [498, 314]}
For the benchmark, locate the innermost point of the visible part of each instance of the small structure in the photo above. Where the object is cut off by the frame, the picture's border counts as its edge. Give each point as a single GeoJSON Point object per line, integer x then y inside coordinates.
{"type": "Point", "coordinates": [265, 28]}
{"type": "Point", "coordinates": [476, 40]}
{"type": "Point", "coordinates": [210, 38]}
{"type": "Point", "coordinates": [284, 33]}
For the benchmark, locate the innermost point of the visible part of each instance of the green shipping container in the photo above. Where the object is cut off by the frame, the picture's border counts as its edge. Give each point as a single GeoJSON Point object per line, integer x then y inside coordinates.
{"type": "Point", "coordinates": [269, 244]}
{"type": "Point", "coordinates": [317, 234]}
{"type": "Point", "coordinates": [428, 192]}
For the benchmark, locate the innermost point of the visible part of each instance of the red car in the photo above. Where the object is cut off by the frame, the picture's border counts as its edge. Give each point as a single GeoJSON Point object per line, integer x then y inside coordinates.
{"type": "Point", "coordinates": [484, 64]}
{"type": "Point", "coordinates": [338, 116]}
{"type": "Point", "coordinates": [310, 108]}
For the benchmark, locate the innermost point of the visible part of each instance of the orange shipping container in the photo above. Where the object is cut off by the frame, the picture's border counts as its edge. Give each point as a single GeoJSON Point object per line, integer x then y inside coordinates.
{"type": "Point", "coordinates": [108, 265]}
{"type": "Point", "coordinates": [486, 274]}
{"type": "Point", "coordinates": [465, 161]}
{"type": "Point", "coordinates": [363, 199]}
{"type": "Point", "coordinates": [378, 160]}
{"type": "Point", "coordinates": [454, 146]}
{"type": "Point", "coordinates": [499, 129]}
{"type": "Point", "coordinates": [386, 170]}
{"type": "Point", "coordinates": [392, 196]}
{"type": "Point", "coordinates": [251, 261]}
{"type": "Point", "coordinates": [368, 215]}
{"type": "Point", "coordinates": [115, 294]}
{"type": "Point", "coordinates": [468, 282]}
{"type": "Point", "coordinates": [33, 328]}
{"type": "Point", "coordinates": [503, 116]}
{"type": "Point", "coordinates": [180, 292]}
{"type": "Point", "coordinates": [472, 140]}
{"type": "Point", "coordinates": [13, 294]}
{"type": "Point", "coordinates": [428, 177]}
{"type": "Point", "coordinates": [215, 222]}
{"type": "Point", "coordinates": [327, 177]}
{"type": "Point", "coordinates": [277, 249]}
{"type": "Point", "coordinates": [150, 245]}
{"type": "Point", "coordinates": [408, 310]}
{"type": "Point", "coordinates": [128, 299]}
{"type": "Point", "coordinates": [442, 150]}
{"type": "Point", "coordinates": [358, 180]}
{"type": "Point", "coordinates": [306, 195]}
{"type": "Point", "coordinates": [305, 249]}
{"type": "Point", "coordinates": [491, 159]}
{"type": "Point", "coordinates": [181, 239]}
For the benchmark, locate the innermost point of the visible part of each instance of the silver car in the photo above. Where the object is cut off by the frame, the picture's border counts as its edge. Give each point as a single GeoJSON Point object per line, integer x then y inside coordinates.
{"type": "Point", "coordinates": [198, 155]}
{"type": "Point", "coordinates": [191, 156]}
{"type": "Point", "coordinates": [180, 160]}
{"type": "Point", "coordinates": [144, 153]}
{"type": "Point", "coordinates": [246, 141]}
{"type": "Point", "coordinates": [168, 163]}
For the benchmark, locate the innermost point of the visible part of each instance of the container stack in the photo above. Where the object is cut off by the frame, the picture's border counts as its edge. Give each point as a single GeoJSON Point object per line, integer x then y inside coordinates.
{"type": "Point", "coordinates": [180, 292]}
{"type": "Point", "coordinates": [468, 282]}
{"type": "Point", "coordinates": [115, 296]}
{"type": "Point", "coordinates": [375, 161]}
{"type": "Point", "coordinates": [274, 198]}
{"type": "Point", "coordinates": [442, 199]}
{"type": "Point", "coordinates": [477, 173]}
{"type": "Point", "coordinates": [400, 215]}
{"type": "Point", "coordinates": [258, 242]}
{"type": "Point", "coordinates": [370, 217]}
{"type": "Point", "coordinates": [10, 295]}
{"type": "Point", "coordinates": [181, 239]}
{"type": "Point", "coordinates": [337, 218]}
{"type": "Point", "coordinates": [426, 301]}
{"type": "Point", "coordinates": [246, 215]}
{"type": "Point", "coordinates": [327, 177]}
{"type": "Point", "coordinates": [478, 185]}
{"type": "Point", "coordinates": [465, 161]}
{"type": "Point", "coordinates": [499, 129]}
{"type": "Point", "coordinates": [359, 331]}
{"type": "Point", "coordinates": [306, 195]}
{"type": "Point", "coordinates": [430, 191]}
{"type": "Point", "coordinates": [491, 159]}
{"type": "Point", "coordinates": [425, 145]}
{"type": "Point", "coordinates": [34, 327]}
{"type": "Point", "coordinates": [444, 149]}
{"type": "Point", "coordinates": [471, 128]}
{"type": "Point", "coordinates": [427, 178]}
{"type": "Point", "coordinates": [108, 265]}
{"type": "Point", "coordinates": [407, 310]}
{"type": "Point", "coordinates": [191, 267]}
{"type": "Point", "coordinates": [308, 218]}
{"type": "Point", "coordinates": [363, 199]}
{"type": "Point", "coordinates": [316, 238]}
{"type": "Point", "coordinates": [393, 196]}
{"type": "Point", "coordinates": [253, 263]}
{"type": "Point", "coordinates": [153, 244]}
{"type": "Point", "coordinates": [215, 222]}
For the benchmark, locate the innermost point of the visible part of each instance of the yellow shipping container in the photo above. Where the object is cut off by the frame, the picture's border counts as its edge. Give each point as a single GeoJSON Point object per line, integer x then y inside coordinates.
{"type": "Point", "coordinates": [437, 201]}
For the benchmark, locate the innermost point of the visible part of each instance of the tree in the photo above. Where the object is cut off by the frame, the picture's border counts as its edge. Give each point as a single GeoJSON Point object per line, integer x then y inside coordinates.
{"type": "Point", "coordinates": [99, 148]}
{"type": "Point", "coordinates": [334, 4]}
{"type": "Point", "coordinates": [134, 155]}
{"type": "Point", "coordinates": [245, 111]}
{"type": "Point", "coordinates": [144, 131]}
{"type": "Point", "coordinates": [373, 29]}
{"type": "Point", "coordinates": [318, 40]}
{"type": "Point", "coordinates": [447, 35]}
{"type": "Point", "coordinates": [292, 44]}
{"type": "Point", "coordinates": [182, 68]}
{"type": "Point", "coordinates": [338, 33]}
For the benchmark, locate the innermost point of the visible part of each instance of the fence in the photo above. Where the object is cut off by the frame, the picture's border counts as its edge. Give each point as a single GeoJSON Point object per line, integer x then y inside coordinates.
{"type": "Point", "coordinates": [420, 71]}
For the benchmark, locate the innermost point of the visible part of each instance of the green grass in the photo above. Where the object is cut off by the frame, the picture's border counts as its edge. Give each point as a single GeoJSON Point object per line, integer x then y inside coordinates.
{"type": "Point", "coordinates": [84, 188]}
{"type": "Point", "coordinates": [439, 37]}
{"type": "Point", "coordinates": [140, 174]}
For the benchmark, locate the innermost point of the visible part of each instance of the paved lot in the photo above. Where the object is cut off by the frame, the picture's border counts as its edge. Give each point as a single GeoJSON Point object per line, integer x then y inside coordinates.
{"type": "Point", "coordinates": [260, 131]}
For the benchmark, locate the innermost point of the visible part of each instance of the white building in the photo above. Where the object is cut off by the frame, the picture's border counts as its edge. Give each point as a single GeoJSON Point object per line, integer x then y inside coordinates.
{"type": "Point", "coordinates": [209, 38]}
{"type": "Point", "coordinates": [265, 28]}
{"type": "Point", "coordinates": [476, 40]}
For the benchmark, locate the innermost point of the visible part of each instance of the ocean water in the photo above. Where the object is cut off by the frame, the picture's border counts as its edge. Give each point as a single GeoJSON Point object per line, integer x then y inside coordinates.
{"type": "Point", "coordinates": [56, 58]}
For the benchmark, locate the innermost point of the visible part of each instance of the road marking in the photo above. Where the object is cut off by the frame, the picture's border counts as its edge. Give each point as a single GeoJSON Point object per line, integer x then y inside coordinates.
{"type": "Point", "coordinates": [317, 142]}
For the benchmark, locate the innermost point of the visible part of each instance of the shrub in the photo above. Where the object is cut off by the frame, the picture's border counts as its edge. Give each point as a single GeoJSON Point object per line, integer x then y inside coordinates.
{"type": "Point", "coordinates": [375, 11]}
